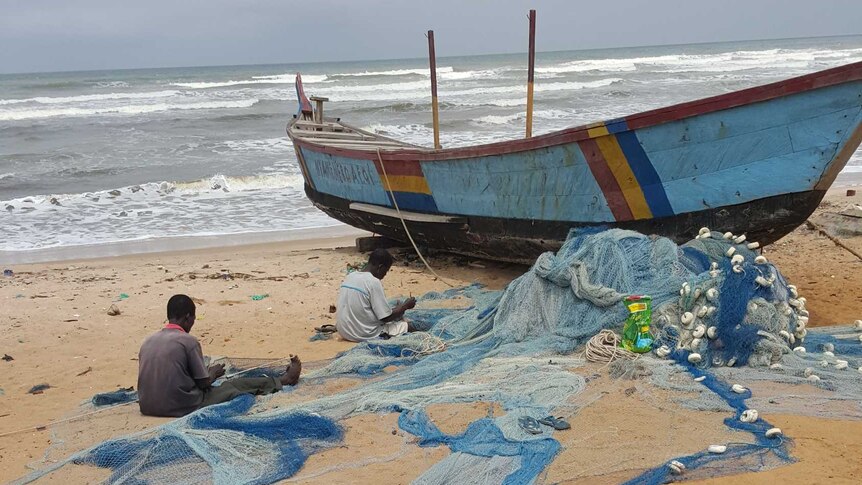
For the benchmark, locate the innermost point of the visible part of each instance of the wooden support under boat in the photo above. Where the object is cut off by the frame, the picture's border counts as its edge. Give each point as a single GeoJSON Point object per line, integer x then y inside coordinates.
{"type": "Point", "coordinates": [367, 244]}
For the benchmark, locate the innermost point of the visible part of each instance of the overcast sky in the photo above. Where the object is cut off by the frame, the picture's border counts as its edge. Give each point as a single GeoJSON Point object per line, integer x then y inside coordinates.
{"type": "Point", "coordinates": [60, 35]}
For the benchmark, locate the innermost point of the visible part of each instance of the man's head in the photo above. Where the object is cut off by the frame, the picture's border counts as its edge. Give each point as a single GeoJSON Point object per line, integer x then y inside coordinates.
{"type": "Point", "coordinates": [181, 311]}
{"type": "Point", "coordinates": [379, 263]}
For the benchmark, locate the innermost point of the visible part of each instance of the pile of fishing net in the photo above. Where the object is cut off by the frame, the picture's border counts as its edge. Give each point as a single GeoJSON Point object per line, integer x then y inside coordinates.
{"type": "Point", "coordinates": [722, 313]}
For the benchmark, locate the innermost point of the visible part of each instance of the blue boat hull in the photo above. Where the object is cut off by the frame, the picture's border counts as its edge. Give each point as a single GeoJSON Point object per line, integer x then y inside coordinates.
{"type": "Point", "coordinates": [521, 241]}
{"type": "Point", "coordinates": [757, 161]}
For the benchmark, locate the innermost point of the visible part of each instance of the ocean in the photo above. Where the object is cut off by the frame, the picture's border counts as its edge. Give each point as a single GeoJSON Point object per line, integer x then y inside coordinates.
{"type": "Point", "coordinates": [89, 158]}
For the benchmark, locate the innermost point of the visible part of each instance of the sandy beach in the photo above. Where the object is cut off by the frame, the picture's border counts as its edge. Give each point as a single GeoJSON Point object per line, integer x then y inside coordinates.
{"type": "Point", "coordinates": [56, 331]}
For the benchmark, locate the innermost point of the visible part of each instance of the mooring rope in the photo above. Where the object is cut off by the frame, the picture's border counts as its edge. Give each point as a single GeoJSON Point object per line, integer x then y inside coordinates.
{"type": "Point", "coordinates": [403, 223]}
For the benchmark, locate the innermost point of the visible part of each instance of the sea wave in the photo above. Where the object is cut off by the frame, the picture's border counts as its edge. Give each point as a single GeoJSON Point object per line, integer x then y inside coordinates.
{"type": "Point", "coordinates": [235, 183]}
{"type": "Point", "coordinates": [549, 114]}
{"type": "Point", "coordinates": [413, 90]}
{"type": "Point", "coordinates": [274, 79]}
{"type": "Point", "coordinates": [715, 62]}
{"type": "Point", "coordinates": [395, 72]}
{"type": "Point", "coordinates": [544, 87]}
{"type": "Point", "coordinates": [90, 97]}
{"type": "Point", "coordinates": [112, 84]}
{"type": "Point", "coordinates": [269, 145]}
{"type": "Point", "coordinates": [215, 184]}
{"type": "Point", "coordinates": [28, 114]}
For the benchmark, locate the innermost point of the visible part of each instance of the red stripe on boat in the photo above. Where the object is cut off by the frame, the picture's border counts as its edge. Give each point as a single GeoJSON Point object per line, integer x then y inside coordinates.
{"type": "Point", "coordinates": [606, 180]}
{"type": "Point", "coordinates": [399, 167]}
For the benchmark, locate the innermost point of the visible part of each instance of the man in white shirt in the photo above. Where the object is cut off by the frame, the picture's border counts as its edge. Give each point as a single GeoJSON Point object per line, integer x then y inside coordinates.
{"type": "Point", "coordinates": [363, 312]}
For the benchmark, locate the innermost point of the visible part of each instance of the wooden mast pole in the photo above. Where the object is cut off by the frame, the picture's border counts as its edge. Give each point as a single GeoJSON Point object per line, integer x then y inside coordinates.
{"type": "Point", "coordinates": [531, 67]}
{"type": "Point", "coordinates": [434, 108]}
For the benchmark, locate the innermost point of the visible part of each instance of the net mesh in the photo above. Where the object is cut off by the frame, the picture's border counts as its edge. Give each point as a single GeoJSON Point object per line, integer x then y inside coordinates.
{"type": "Point", "coordinates": [726, 316]}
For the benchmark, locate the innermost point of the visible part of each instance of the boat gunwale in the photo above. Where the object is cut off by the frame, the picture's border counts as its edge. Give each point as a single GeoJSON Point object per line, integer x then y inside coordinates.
{"type": "Point", "coordinates": [300, 136]}
{"type": "Point", "coordinates": [816, 80]}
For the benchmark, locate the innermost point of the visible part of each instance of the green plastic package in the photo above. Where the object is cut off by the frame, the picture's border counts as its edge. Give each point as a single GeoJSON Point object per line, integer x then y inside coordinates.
{"type": "Point", "coordinates": [636, 332]}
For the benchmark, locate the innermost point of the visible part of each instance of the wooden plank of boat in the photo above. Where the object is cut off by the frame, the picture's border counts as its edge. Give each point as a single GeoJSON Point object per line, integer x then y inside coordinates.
{"type": "Point", "coordinates": [407, 216]}
{"type": "Point", "coordinates": [304, 124]}
{"type": "Point", "coordinates": [372, 143]}
{"type": "Point", "coordinates": [366, 147]}
{"type": "Point", "coordinates": [340, 135]}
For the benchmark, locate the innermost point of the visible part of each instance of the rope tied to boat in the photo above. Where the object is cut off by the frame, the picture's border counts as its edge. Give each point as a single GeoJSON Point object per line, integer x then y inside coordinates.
{"type": "Point", "coordinates": [404, 224]}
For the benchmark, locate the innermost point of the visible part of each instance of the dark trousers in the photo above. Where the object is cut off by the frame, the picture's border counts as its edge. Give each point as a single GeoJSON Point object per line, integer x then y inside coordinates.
{"type": "Point", "coordinates": [240, 385]}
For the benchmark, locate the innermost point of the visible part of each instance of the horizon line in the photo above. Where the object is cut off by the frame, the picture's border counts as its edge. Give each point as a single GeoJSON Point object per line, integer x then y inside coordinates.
{"type": "Point", "coordinates": [154, 68]}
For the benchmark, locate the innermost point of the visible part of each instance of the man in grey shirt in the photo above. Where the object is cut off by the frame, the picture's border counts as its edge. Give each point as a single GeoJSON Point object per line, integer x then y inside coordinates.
{"type": "Point", "coordinates": [173, 379]}
{"type": "Point", "coordinates": [363, 311]}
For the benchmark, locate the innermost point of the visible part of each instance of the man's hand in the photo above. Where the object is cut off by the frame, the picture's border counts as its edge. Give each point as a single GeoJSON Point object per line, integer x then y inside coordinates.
{"type": "Point", "coordinates": [409, 303]}
{"type": "Point", "coordinates": [216, 371]}
{"type": "Point", "coordinates": [398, 311]}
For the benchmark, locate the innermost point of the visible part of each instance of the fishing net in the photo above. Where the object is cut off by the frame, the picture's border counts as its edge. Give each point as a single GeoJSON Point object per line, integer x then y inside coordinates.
{"type": "Point", "coordinates": [723, 315]}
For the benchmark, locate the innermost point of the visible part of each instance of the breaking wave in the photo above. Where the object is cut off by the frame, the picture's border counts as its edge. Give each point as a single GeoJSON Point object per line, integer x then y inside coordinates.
{"type": "Point", "coordinates": [90, 97]}
{"type": "Point", "coordinates": [28, 114]}
{"type": "Point", "coordinates": [550, 114]}
{"type": "Point", "coordinates": [274, 79]}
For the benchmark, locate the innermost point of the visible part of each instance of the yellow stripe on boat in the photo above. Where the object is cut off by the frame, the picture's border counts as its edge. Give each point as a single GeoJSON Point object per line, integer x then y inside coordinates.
{"type": "Point", "coordinates": [619, 166]}
{"type": "Point", "coordinates": [406, 183]}
{"type": "Point", "coordinates": [597, 129]}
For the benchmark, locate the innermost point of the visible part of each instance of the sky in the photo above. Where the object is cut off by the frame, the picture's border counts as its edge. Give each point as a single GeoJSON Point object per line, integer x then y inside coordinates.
{"type": "Point", "coordinates": [63, 35]}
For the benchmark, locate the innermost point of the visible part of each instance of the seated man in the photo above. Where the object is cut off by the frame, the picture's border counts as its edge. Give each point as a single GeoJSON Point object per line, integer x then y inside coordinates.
{"type": "Point", "coordinates": [363, 312]}
{"type": "Point", "coordinates": [173, 379]}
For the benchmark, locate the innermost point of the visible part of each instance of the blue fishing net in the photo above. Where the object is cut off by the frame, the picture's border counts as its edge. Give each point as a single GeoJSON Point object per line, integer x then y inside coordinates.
{"type": "Point", "coordinates": [219, 444]}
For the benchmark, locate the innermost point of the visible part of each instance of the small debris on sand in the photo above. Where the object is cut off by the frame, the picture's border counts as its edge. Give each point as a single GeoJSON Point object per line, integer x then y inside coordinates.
{"type": "Point", "coordinates": [113, 311]}
{"type": "Point", "coordinates": [39, 388]}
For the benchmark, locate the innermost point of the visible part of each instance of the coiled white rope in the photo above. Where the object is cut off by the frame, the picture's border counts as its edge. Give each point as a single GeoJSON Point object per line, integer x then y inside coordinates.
{"type": "Point", "coordinates": [431, 344]}
{"type": "Point", "coordinates": [604, 347]}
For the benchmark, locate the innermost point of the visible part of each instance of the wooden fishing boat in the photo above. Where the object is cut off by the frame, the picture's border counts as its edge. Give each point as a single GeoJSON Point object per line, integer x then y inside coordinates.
{"type": "Point", "coordinates": [755, 162]}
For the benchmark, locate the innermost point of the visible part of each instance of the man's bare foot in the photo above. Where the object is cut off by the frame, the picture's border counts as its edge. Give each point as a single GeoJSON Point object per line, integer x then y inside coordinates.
{"type": "Point", "coordinates": [291, 374]}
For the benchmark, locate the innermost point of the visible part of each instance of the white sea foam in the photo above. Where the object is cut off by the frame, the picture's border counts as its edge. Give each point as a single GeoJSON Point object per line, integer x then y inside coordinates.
{"type": "Point", "coordinates": [717, 62]}
{"type": "Point", "coordinates": [501, 102]}
{"type": "Point", "coordinates": [274, 79]}
{"type": "Point", "coordinates": [221, 182]}
{"type": "Point", "coordinates": [268, 145]}
{"type": "Point", "coordinates": [112, 84]}
{"type": "Point", "coordinates": [214, 205]}
{"type": "Point", "coordinates": [548, 114]}
{"type": "Point", "coordinates": [396, 72]}
{"type": "Point", "coordinates": [28, 114]}
{"type": "Point", "coordinates": [91, 97]}
{"type": "Point", "coordinates": [468, 75]}
{"type": "Point", "coordinates": [414, 90]}
{"type": "Point", "coordinates": [500, 119]}
{"type": "Point", "coordinates": [216, 184]}
{"type": "Point", "coordinates": [543, 87]}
